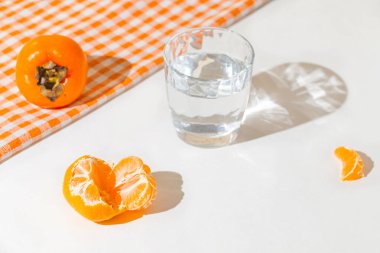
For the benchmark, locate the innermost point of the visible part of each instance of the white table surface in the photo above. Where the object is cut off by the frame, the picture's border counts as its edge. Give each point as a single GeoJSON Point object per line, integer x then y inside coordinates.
{"type": "Point", "coordinates": [275, 191]}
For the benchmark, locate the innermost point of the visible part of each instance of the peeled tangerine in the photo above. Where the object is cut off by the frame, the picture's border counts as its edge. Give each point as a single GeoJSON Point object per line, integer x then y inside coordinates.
{"type": "Point", "coordinates": [352, 164]}
{"type": "Point", "coordinates": [99, 191]}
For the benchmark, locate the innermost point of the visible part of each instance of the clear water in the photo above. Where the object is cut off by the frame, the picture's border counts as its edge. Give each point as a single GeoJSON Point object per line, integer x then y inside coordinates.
{"type": "Point", "coordinates": [204, 99]}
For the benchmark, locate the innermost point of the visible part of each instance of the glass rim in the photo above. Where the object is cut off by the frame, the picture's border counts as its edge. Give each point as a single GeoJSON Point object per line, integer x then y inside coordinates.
{"type": "Point", "coordinates": [189, 30]}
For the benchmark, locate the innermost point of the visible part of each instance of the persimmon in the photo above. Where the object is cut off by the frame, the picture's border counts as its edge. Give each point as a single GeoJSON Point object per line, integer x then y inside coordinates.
{"type": "Point", "coordinates": [51, 71]}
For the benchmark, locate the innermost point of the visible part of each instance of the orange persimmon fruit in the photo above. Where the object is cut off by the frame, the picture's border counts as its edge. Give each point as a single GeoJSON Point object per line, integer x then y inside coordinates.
{"type": "Point", "coordinates": [352, 163]}
{"type": "Point", "coordinates": [99, 191]}
{"type": "Point", "coordinates": [51, 71]}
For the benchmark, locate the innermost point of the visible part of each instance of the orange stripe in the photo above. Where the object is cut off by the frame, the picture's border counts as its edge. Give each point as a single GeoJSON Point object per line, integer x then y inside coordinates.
{"type": "Point", "coordinates": [34, 132]}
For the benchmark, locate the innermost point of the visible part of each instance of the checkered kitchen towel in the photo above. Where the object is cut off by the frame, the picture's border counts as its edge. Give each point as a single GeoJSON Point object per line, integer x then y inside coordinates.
{"type": "Point", "coordinates": [123, 40]}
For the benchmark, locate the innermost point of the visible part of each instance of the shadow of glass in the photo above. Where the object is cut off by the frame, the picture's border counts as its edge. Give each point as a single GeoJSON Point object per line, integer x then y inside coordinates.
{"type": "Point", "coordinates": [104, 73]}
{"type": "Point", "coordinates": [169, 195]}
{"type": "Point", "coordinates": [289, 95]}
{"type": "Point", "coordinates": [368, 163]}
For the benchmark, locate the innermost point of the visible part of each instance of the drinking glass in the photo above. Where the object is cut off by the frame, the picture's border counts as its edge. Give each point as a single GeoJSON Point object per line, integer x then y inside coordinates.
{"type": "Point", "coordinates": [208, 78]}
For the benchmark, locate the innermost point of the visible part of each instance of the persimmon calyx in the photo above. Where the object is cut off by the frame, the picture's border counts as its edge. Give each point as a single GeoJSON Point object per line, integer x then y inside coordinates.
{"type": "Point", "coordinates": [50, 77]}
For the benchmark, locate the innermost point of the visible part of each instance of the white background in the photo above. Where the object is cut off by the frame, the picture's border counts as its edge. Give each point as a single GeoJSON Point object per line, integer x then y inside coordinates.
{"type": "Point", "coordinates": [276, 192]}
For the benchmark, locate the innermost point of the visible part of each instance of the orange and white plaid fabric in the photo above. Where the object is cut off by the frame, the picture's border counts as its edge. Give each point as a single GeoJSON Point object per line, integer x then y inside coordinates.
{"type": "Point", "coordinates": [123, 40]}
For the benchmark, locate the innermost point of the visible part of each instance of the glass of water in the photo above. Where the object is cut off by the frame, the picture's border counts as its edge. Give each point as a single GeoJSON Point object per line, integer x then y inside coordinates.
{"type": "Point", "coordinates": [208, 79]}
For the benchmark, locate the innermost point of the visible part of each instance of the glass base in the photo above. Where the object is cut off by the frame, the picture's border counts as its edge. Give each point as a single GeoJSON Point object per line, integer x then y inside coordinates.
{"type": "Point", "coordinates": [207, 141]}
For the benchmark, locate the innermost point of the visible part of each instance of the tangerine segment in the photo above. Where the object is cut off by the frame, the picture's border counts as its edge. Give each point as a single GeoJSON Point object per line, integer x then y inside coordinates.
{"type": "Point", "coordinates": [352, 163]}
{"type": "Point", "coordinates": [99, 192]}
{"type": "Point", "coordinates": [134, 184]}
{"type": "Point", "coordinates": [85, 188]}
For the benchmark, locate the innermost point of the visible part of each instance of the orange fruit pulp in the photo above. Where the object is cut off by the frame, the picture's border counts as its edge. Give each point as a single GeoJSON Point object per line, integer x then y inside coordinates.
{"type": "Point", "coordinates": [99, 191]}
{"type": "Point", "coordinates": [352, 163]}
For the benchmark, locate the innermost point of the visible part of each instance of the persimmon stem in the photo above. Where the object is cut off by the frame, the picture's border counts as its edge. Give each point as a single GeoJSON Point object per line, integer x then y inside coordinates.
{"type": "Point", "coordinates": [50, 76]}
